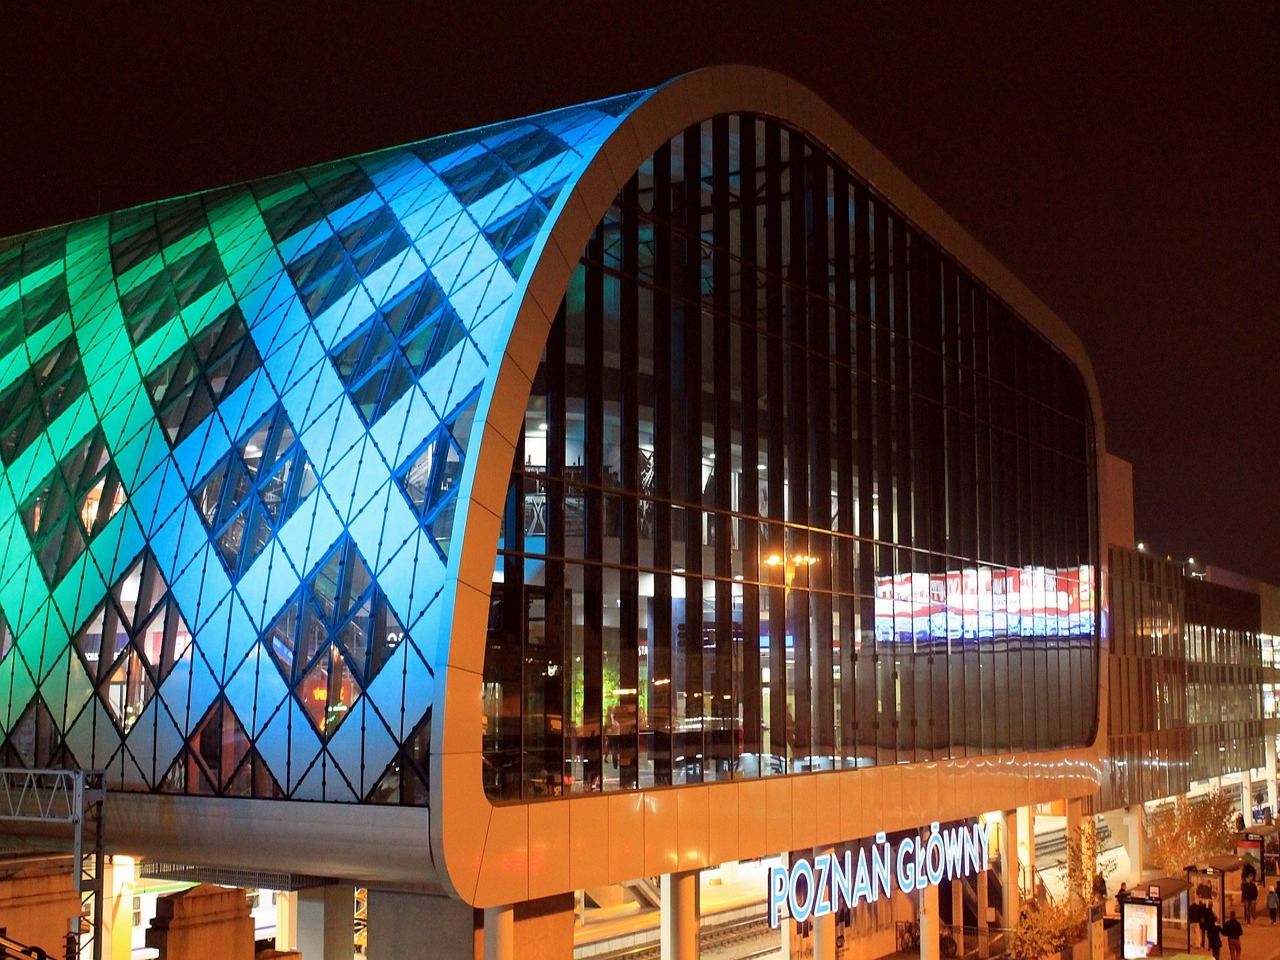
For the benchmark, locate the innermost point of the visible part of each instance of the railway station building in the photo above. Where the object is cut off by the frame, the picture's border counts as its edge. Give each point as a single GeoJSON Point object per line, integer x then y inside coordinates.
{"type": "Point", "coordinates": [576, 504]}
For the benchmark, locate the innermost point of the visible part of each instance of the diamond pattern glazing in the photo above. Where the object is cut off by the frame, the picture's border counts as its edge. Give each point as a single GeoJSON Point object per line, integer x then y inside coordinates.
{"type": "Point", "coordinates": [233, 432]}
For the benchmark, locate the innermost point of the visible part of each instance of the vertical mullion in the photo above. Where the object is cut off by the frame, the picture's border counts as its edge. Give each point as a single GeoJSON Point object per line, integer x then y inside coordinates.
{"type": "Point", "coordinates": [662, 665]}
{"type": "Point", "coordinates": [866, 677]}
{"type": "Point", "coordinates": [846, 547]}
{"type": "Point", "coordinates": [820, 493]}
{"type": "Point", "coordinates": [797, 373]}
{"type": "Point", "coordinates": [593, 479]}
{"type": "Point", "coordinates": [629, 595]}
{"type": "Point", "coordinates": [558, 628]}
{"type": "Point", "coordinates": [516, 622]}
{"type": "Point", "coordinates": [749, 479]}
{"type": "Point", "coordinates": [691, 331]}
{"type": "Point", "coordinates": [723, 709]}
{"type": "Point", "coordinates": [779, 727]}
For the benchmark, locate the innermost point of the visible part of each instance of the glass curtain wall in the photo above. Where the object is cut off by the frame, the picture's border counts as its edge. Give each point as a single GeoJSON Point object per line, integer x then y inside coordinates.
{"type": "Point", "coordinates": [794, 492]}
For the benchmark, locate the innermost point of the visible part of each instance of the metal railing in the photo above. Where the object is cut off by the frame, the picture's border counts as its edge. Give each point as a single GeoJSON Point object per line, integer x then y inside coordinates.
{"type": "Point", "coordinates": [965, 941]}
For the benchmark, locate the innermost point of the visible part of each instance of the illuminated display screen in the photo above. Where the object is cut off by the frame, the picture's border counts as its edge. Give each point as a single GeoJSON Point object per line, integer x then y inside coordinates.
{"type": "Point", "coordinates": [985, 603]}
{"type": "Point", "coordinates": [1141, 930]}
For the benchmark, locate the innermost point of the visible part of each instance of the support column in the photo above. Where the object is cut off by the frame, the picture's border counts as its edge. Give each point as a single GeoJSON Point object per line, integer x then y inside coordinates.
{"type": "Point", "coordinates": [205, 921]}
{"type": "Point", "coordinates": [415, 926]}
{"type": "Point", "coordinates": [326, 922]}
{"type": "Point", "coordinates": [286, 921]}
{"type": "Point", "coordinates": [681, 907]}
{"type": "Point", "coordinates": [957, 914]}
{"type": "Point", "coordinates": [984, 909]}
{"type": "Point", "coordinates": [930, 928]}
{"type": "Point", "coordinates": [824, 927]}
{"type": "Point", "coordinates": [499, 933]}
{"type": "Point", "coordinates": [1009, 861]}
{"type": "Point", "coordinates": [118, 883]}
{"type": "Point", "coordinates": [1027, 849]}
{"type": "Point", "coordinates": [1137, 841]}
{"type": "Point", "coordinates": [1246, 795]}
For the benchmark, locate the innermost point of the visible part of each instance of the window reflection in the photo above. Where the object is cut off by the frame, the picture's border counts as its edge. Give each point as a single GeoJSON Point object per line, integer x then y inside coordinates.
{"type": "Point", "coordinates": [793, 493]}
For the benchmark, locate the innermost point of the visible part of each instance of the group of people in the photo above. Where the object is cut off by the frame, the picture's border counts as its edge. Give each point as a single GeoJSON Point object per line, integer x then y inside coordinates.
{"type": "Point", "coordinates": [1211, 932]}
{"type": "Point", "coordinates": [1249, 897]}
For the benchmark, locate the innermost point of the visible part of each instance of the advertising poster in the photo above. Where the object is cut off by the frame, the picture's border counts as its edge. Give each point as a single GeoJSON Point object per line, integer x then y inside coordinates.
{"type": "Point", "coordinates": [1141, 930]}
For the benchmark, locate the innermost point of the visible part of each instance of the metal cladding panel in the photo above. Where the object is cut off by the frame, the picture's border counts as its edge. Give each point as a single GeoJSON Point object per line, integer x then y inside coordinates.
{"type": "Point", "coordinates": [232, 435]}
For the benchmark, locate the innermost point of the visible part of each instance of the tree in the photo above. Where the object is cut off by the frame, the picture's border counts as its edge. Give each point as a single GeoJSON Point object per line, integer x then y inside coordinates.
{"type": "Point", "coordinates": [1190, 831]}
{"type": "Point", "coordinates": [1047, 927]}
{"type": "Point", "coordinates": [1083, 864]}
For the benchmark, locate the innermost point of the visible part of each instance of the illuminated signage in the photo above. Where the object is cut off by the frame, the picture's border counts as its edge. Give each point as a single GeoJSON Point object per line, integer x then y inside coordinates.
{"type": "Point", "coordinates": [831, 882]}
{"type": "Point", "coordinates": [985, 603]}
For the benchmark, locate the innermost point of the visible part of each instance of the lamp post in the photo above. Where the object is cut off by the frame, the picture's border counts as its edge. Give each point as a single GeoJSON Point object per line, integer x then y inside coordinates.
{"type": "Point", "coordinates": [789, 565]}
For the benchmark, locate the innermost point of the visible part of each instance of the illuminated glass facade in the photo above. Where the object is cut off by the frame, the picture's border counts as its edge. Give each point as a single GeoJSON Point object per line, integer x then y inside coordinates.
{"type": "Point", "coordinates": [794, 492]}
{"type": "Point", "coordinates": [1185, 679]}
{"type": "Point", "coordinates": [232, 432]}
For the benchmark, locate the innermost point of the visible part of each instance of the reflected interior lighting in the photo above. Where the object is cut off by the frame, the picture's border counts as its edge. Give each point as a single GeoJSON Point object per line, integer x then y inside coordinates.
{"type": "Point", "coordinates": [773, 560]}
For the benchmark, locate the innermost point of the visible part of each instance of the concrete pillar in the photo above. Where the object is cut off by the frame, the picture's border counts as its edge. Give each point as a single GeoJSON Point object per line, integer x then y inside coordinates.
{"type": "Point", "coordinates": [286, 921]}
{"type": "Point", "coordinates": [983, 909]}
{"type": "Point", "coordinates": [1027, 850]}
{"type": "Point", "coordinates": [930, 927]}
{"type": "Point", "coordinates": [1009, 860]}
{"type": "Point", "coordinates": [326, 922]}
{"type": "Point", "coordinates": [397, 922]}
{"type": "Point", "coordinates": [824, 928]}
{"type": "Point", "coordinates": [957, 914]}
{"type": "Point", "coordinates": [119, 881]}
{"type": "Point", "coordinates": [1246, 795]}
{"type": "Point", "coordinates": [499, 933]}
{"type": "Point", "coordinates": [681, 907]}
{"type": "Point", "coordinates": [1136, 842]}
{"type": "Point", "coordinates": [203, 922]}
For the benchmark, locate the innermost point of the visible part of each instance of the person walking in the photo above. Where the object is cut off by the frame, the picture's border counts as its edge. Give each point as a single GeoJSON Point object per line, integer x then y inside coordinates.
{"type": "Point", "coordinates": [1233, 932]}
{"type": "Point", "coordinates": [1273, 902]}
{"type": "Point", "coordinates": [1214, 934]}
{"type": "Point", "coordinates": [1207, 921]}
{"type": "Point", "coordinates": [1249, 897]}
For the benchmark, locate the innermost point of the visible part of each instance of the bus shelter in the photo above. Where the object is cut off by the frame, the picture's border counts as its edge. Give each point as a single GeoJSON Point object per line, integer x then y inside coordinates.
{"type": "Point", "coordinates": [1154, 919]}
{"type": "Point", "coordinates": [1216, 883]}
{"type": "Point", "coordinates": [1257, 846]}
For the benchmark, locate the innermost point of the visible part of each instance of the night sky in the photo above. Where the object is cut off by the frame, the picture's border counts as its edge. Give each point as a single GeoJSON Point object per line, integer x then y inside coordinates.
{"type": "Point", "coordinates": [1123, 161]}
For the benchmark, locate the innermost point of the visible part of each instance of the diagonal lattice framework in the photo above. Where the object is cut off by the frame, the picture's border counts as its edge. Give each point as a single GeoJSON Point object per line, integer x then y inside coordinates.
{"type": "Point", "coordinates": [213, 398]}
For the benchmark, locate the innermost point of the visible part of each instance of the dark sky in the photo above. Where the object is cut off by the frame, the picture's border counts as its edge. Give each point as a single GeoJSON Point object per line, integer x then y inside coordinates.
{"type": "Point", "coordinates": [1123, 160]}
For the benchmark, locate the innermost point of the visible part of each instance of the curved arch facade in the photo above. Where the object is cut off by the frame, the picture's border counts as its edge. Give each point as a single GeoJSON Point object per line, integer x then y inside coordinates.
{"type": "Point", "coordinates": [513, 851]}
{"type": "Point", "coordinates": [254, 460]}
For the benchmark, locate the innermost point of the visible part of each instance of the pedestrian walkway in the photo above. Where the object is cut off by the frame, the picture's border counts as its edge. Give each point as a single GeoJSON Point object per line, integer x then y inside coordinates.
{"type": "Point", "coordinates": [1261, 941]}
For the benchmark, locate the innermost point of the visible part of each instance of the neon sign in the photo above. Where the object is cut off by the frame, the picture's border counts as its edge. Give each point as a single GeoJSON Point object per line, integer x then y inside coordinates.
{"type": "Point", "coordinates": [809, 890]}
